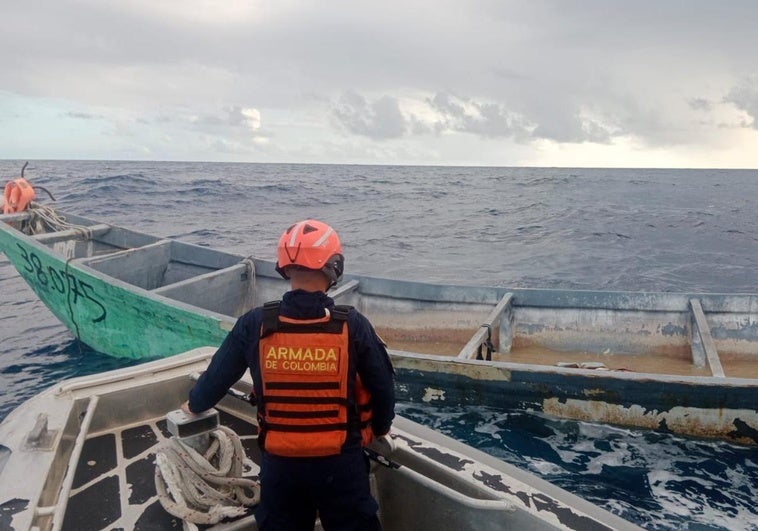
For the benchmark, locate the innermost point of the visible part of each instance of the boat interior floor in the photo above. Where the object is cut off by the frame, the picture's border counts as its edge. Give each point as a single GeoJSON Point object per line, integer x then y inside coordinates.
{"type": "Point", "coordinates": [114, 483]}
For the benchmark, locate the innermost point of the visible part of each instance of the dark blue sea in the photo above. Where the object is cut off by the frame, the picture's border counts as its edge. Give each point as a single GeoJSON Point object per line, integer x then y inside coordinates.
{"type": "Point", "coordinates": [607, 229]}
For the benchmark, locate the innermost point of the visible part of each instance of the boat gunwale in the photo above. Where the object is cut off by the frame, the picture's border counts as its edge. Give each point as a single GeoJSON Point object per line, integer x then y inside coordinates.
{"type": "Point", "coordinates": [436, 361]}
{"type": "Point", "coordinates": [645, 301]}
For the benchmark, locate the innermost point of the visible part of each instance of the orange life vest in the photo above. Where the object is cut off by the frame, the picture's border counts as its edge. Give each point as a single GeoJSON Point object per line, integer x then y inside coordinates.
{"type": "Point", "coordinates": [18, 194]}
{"type": "Point", "coordinates": [304, 364]}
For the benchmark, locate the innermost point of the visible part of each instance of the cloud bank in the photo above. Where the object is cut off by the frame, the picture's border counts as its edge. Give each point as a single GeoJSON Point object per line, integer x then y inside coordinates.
{"type": "Point", "coordinates": [585, 83]}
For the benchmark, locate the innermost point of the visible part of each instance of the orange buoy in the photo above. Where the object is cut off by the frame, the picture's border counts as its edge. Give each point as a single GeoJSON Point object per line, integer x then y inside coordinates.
{"type": "Point", "coordinates": [18, 194]}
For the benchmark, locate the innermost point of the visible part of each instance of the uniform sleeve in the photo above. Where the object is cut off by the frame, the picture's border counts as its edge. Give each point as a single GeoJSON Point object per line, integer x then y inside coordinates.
{"type": "Point", "coordinates": [376, 372]}
{"type": "Point", "coordinates": [227, 366]}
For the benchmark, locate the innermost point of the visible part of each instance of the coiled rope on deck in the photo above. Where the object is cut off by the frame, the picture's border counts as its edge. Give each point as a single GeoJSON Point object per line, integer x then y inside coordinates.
{"type": "Point", "coordinates": [44, 217]}
{"type": "Point", "coordinates": [205, 489]}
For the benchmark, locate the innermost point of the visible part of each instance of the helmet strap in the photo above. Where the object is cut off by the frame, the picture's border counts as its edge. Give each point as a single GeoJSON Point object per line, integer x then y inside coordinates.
{"type": "Point", "coordinates": [297, 252]}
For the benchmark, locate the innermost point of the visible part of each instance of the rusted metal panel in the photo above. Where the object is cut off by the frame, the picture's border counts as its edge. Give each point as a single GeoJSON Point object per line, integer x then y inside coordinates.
{"type": "Point", "coordinates": [687, 405]}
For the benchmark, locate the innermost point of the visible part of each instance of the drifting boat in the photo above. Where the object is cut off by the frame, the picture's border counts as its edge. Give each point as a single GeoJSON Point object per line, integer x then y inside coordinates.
{"type": "Point", "coordinates": [81, 456]}
{"type": "Point", "coordinates": [675, 362]}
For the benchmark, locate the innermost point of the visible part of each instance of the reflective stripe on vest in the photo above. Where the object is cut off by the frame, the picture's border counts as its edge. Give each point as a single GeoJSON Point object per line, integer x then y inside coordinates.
{"type": "Point", "coordinates": [304, 368]}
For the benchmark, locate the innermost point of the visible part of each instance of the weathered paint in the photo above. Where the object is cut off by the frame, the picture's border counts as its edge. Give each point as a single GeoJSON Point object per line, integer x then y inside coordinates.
{"type": "Point", "coordinates": [709, 423]}
{"type": "Point", "coordinates": [108, 315]}
{"type": "Point", "coordinates": [433, 395]}
{"type": "Point", "coordinates": [693, 406]}
{"type": "Point", "coordinates": [489, 480]}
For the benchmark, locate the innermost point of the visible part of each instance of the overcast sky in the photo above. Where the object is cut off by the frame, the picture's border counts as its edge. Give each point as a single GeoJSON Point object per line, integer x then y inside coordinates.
{"type": "Point", "coordinates": [532, 83]}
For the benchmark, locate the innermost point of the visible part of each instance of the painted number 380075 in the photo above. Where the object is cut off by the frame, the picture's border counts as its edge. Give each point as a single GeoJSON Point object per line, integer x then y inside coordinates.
{"type": "Point", "coordinates": [62, 281]}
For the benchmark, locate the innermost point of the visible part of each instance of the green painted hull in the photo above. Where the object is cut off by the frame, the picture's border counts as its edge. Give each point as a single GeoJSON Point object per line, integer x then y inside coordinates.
{"type": "Point", "coordinates": [107, 315]}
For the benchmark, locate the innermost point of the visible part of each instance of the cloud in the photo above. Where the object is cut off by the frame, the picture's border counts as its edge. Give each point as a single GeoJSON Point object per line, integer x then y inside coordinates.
{"type": "Point", "coordinates": [235, 116]}
{"type": "Point", "coordinates": [701, 104]}
{"type": "Point", "coordinates": [745, 97]}
{"type": "Point", "coordinates": [363, 79]}
{"type": "Point", "coordinates": [486, 119]}
{"type": "Point", "coordinates": [384, 118]}
{"type": "Point", "coordinates": [445, 113]}
{"type": "Point", "coordinates": [577, 122]}
{"type": "Point", "coordinates": [380, 119]}
{"type": "Point", "coordinates": [82, 115]}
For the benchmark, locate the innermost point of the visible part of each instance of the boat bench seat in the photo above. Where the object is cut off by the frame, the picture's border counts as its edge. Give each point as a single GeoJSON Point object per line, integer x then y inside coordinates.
{"type": "Point", "coordinates": [62, 235]}
{"type": "Point", "coordinates": [227, 291]}
{"type": "Point", "coordinates": [144, 267]}
{"type": "Point", "coordinates": [703, 347]}
{"type": "Point", "coordinates": [499, 316]}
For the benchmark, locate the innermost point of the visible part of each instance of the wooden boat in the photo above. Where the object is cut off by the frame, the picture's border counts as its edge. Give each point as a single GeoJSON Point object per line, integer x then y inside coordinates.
{"type": "Point", "coordinates": [676, 362]}
{"type": "Point", "coordinates": [80, 456]}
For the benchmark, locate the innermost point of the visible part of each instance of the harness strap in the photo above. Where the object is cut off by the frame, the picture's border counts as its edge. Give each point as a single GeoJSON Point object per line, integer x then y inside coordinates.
{"type": "Point", "coordinates": [270, 318]}
{"type": "Point", "coordinates": [337, 315]}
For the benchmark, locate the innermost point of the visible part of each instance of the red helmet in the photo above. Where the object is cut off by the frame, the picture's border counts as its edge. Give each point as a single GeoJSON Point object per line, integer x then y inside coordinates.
{"type": "Point", "coordinates": [313, 245]}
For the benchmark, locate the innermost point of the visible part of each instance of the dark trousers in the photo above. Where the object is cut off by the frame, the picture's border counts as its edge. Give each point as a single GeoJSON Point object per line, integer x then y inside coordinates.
{"type": "Point", "coordinates": [336, 488]}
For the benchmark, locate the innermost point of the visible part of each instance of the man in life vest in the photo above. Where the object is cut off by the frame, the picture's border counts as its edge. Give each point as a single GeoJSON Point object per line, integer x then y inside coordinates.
{"type": "Point", "coordinates": [324, 388]}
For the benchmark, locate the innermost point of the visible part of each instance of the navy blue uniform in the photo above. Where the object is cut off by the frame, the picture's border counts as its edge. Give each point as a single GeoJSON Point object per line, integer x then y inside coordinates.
{"type": "Point", "coordinates": [293, 489]}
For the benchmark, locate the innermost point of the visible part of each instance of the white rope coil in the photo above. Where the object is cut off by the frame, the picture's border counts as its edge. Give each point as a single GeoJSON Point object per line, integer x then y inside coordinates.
{"type": "Point", "coordinates": [42, 216]}
{"type": "Point", "coordinates": [205, 489]}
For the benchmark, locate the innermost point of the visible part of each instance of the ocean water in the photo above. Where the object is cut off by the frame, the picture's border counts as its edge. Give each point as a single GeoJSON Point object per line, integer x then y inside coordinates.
{"type": "Point", "coordinates": [609, 229]}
